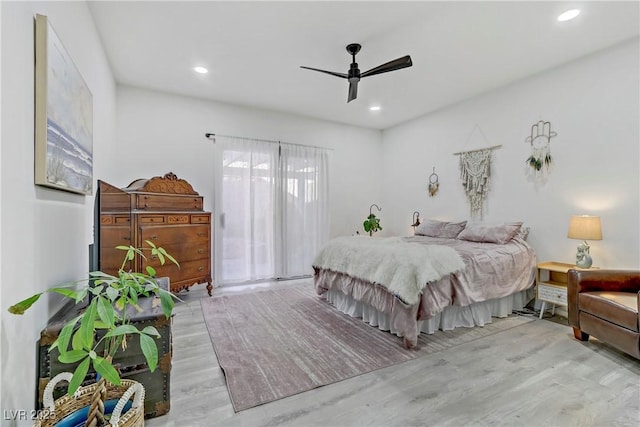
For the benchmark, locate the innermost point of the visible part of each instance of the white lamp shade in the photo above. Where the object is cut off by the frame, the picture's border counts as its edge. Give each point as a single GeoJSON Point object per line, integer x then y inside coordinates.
{"type": "Point", "coordinates": [585, 227]}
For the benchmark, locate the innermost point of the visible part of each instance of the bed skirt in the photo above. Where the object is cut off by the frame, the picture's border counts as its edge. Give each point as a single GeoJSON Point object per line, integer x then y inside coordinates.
{"type": "Point", "coordinates": [451, 317]}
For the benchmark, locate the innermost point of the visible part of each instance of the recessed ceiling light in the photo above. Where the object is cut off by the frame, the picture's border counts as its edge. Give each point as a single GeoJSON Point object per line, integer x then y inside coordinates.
{"type": "Point", "coordinates": [375, 108]}
{"type": "Point", "coordinates": [568, 15]}
{"type": "Point", "coordinates": [201, 70]}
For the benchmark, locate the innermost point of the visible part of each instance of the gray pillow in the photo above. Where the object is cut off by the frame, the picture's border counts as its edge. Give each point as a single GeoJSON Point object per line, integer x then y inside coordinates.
{"type": "Point", "coordinates": [490, 233]}
{"type": "Point", "coordinates": [435, 228]}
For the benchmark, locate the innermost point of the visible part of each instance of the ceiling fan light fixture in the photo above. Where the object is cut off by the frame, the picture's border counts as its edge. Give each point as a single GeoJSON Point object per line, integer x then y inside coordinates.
{"type": "Point", "coordinates": [568, 15]}
{"type": "Point", "coordinates": [200, 70]}
{"type": "Point", "coordinates": [375, 108]}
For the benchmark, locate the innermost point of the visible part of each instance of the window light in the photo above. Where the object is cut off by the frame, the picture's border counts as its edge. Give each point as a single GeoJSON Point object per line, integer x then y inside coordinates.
{"type": "Point", "coordinates": [200, 70]}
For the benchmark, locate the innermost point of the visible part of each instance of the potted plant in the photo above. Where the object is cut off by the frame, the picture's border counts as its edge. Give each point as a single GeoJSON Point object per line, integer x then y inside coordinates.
{"type": "Point", "coordinates": [103, 328]}
{"type": "Point", "coordinates": [372, 223]}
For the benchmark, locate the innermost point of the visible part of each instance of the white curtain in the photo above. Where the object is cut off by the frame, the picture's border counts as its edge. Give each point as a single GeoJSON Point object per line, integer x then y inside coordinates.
{"type": "Point", "coordinates": [271, 205]}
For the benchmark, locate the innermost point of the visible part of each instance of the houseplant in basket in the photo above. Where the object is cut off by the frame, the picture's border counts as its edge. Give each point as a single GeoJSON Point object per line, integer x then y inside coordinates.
{"type": "Point", "coordinates": [101, 330]}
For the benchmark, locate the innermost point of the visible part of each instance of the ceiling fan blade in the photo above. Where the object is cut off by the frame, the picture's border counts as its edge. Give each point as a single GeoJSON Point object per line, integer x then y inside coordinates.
{"type": "Point", "coordinates": [353, 91]}
{"type": "Point", "coordinates": [396, 64]}
{"type": "Point", "coordinates": [326, 72]}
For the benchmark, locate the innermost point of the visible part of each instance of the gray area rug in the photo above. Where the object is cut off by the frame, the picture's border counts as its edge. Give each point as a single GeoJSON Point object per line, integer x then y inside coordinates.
{"type": "Point", "coordinates": [280, 342]}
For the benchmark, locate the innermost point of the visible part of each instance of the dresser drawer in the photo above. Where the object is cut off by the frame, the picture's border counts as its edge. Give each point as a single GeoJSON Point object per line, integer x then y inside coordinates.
{"type": "Point", "coordinates": [178, 219]}
{"type": "Point", "coordinates": [201, 219]}
{"type": "Point", "coordinates": [175, 234]}
{"type": "Point", "coordinates": [195, 270]}
{"type": "Point", "coordinates": [108, 220]}
{"type": "Point", "coordinates": [167, 202]}
{"type": "Point", "coordinates": [552, 294]}
{"type": "Point", "coordinates": [182, 252]}
{"type": "Point", "coordinates": [152, 219]}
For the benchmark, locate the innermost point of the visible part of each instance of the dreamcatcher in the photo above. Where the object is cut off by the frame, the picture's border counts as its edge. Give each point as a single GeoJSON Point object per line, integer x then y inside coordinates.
{"type": "Point", "coordinates": [434, 185]}
{"type": "Point", "coordinates": [540, 159]}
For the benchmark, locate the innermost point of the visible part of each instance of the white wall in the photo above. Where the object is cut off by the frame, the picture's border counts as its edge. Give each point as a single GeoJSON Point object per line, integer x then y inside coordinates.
{"type": "Point", "coordinates": [592, 104]}
{"type": "Point", "coordinates": [45, 232]}
{"type": "Point", "coordinates": [159, 132]}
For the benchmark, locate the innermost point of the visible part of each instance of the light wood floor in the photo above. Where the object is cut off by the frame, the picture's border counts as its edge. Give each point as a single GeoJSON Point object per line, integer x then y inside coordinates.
{"type": "Point", "coordinates": [533, 375]}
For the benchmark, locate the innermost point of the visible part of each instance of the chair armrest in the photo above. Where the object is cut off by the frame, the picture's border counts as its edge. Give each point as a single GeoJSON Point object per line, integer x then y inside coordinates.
{"type": "Point", "coordinates": [598, 280]}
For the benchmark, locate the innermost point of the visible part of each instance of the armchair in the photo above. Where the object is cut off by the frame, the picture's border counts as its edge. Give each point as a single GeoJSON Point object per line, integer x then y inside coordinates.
{"type": "Point", "coordinates": [604, 303]}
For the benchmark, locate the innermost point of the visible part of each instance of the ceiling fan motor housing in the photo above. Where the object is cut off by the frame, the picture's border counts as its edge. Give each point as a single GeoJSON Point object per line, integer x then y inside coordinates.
{"type": "Point", "coordinates": [354, 72]}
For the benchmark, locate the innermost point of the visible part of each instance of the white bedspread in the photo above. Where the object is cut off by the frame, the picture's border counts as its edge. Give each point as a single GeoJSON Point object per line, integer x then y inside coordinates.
{"type": "Point", "coordinates": [403, 268]}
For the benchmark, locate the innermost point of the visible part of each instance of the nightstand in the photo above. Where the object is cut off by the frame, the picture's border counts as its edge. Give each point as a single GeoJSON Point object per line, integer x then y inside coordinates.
{"type": "Point", "coordinates": [551, 283]}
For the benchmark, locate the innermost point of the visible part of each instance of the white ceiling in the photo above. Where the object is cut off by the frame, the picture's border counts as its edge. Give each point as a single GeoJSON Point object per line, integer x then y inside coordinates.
{"type": "Point", "coordinates": [254, 50]}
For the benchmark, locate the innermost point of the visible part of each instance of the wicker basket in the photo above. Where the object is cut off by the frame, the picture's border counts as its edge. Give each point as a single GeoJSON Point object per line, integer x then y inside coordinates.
{"type": "Point", "coordinates": [66, 405]}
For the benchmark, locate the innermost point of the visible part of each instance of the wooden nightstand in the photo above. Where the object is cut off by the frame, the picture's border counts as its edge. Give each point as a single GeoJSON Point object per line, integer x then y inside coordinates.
{"type": "Point", "coordinates": [551, 283]}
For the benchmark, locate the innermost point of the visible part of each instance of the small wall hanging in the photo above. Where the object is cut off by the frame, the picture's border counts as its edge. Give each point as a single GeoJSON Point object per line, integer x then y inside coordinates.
{"type": "Point", "coordinates": [434, 185]}
{"type": "Point", "coordinates": [540, 160]}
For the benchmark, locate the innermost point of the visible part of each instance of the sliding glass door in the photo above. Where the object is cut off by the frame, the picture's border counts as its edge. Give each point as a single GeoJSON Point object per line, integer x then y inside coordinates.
{"type": "Point", "coordinates": [271, 206]}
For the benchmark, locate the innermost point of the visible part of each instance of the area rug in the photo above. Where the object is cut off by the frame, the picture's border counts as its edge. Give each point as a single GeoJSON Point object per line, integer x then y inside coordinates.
{"type": "Point", "coordinates": [276, 343]}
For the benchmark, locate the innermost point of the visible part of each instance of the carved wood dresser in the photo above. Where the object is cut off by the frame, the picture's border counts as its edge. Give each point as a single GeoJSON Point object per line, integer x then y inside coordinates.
{"type": "Point", "coordinates": [166, 211]}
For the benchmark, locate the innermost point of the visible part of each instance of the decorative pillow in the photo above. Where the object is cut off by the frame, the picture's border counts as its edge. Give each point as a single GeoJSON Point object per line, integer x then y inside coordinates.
{"type": "Point", "coordinates": [452, 229]}
{"type": "Point", "coordinates": [435, 228]}
{"type": "Point", "coordinates": [430, 227]}
{"type": "Point", "coordinates": [490, 233]}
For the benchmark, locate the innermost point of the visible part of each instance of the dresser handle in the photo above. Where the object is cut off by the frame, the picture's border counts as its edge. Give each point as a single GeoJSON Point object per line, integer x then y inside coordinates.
{"type": "Point", "coordinates": [200, 268]}
{"type": "Point", "coordinates": [126, 238]}
{"type": "Point", "coordinates": [154, 237]}
{"type": "Point", "coordinates": [202, 234]}
{"type": "Point", "coordinates": [153, 257]}
{"type": "Point", "coordinates": [200, 251]}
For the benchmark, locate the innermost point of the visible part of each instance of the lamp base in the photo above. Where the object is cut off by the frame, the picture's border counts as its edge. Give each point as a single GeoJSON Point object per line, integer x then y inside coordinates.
{"type": "Point", "coordinates": [583, 259]}
{"type": "Point", "coordinates": [586, 262]}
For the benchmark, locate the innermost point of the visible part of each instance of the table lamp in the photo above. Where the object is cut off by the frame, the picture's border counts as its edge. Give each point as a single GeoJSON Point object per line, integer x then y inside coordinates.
{"type": "Point", "coordinates": [584, 227]}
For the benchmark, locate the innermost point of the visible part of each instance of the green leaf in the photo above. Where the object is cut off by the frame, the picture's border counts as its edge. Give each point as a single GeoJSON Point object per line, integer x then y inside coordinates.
{"type": "Point", "coordinates": [76, 342]}
{"type": "Point", "coordinates": [133, 296]}
{"type": "Point", "coordinates": [65, 335]}
{"type": "Point", "coordinates": [86, 324]}
{"type": "Point", "coordinates": [24, 305]}
{"type": "Point", "coordinates": [150, 351]}
{"type": "Point", "coordinates": [105, 311]}
{"type": "Point", "coordinates": [150, 243]}
{"type": "Point", "coordinates": [106, 369]}
{"type": "Point", "coordinates": [159, 254]}
{"type": "Point", "coordinates": [172, 259]}
{"type": "Point", "coordinates": [166, 302]}
{"type": "Point", "coordinates": [78, 376]}
{"type": "Point", "coordinates": [150, 330]}
{"type": "Point", "coordinates": [112, 293]}
{"type": "Point", "coordinates": [72, 356]}
{"type": "Point", "coordinates": [152, 271]}
{"type": "Point", "coordinates": [65, 292]}
{"type": "Point", "coordinates": [123, 330]}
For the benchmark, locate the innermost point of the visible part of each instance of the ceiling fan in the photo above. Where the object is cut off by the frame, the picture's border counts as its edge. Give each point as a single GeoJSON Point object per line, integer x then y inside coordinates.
{"type": "Point", "coordinates": [354, 74]}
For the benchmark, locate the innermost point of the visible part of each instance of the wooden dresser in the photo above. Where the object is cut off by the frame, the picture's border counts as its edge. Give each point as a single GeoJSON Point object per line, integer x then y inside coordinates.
{"type": "Point", "coordinates": [166, 211]}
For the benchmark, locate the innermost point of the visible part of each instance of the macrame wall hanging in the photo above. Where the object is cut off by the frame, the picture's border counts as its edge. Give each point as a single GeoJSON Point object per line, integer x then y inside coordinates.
{"type": "Point", "coordinates": [540, 160]}
{"type": "Point", "coordinates": [475, 173]}
{"type": "Point", "coordinates": [434, 185]}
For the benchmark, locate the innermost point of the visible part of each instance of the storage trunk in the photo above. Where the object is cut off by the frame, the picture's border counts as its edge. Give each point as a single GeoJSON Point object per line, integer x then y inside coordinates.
{"type": "Point", "coordinates": [131, 363]}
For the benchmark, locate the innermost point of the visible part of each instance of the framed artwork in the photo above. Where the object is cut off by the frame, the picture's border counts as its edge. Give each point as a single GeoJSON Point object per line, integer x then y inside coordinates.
{"type": "Point", "coordinates": [63, 117]}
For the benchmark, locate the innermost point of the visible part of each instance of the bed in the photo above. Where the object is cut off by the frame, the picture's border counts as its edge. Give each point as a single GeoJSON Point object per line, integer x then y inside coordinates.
{"type": "Point", "coordinates": [450, 274]}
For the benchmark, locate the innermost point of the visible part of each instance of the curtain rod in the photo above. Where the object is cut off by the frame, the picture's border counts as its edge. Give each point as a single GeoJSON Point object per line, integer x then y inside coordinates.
{"type": "Point", "coordinates": [479, 149]}
{"type": "Point", "coordinates": [212, 137]}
